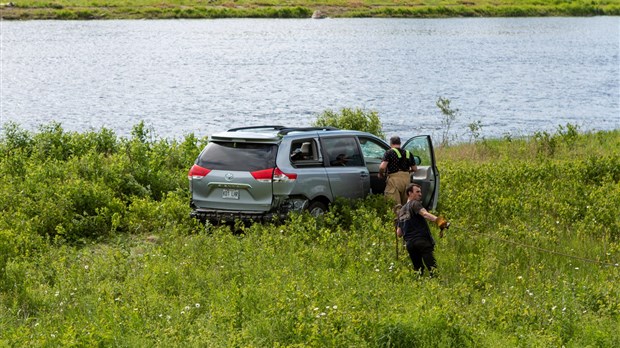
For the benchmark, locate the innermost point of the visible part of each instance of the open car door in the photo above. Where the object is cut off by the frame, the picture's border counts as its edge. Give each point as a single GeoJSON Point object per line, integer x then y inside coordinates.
{"type": "Point", "coordinates": [427, 174]}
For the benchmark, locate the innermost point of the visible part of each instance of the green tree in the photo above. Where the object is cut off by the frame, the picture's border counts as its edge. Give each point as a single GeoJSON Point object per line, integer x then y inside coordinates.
{"type": "Point", "coordinates": [357, 119]}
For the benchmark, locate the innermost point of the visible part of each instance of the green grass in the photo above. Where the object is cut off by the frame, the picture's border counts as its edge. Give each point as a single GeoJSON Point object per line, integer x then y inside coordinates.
{"type": "Point", "coordinates": [134, 9]}
{"type": "Point", "coordinates": [97, 249]}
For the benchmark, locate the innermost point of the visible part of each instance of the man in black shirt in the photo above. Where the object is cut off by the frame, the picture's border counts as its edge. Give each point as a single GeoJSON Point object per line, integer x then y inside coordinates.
{"type": "Point", "coordinates": [412, 226]}
{"type": "Point", "coordinates": [397, 164]}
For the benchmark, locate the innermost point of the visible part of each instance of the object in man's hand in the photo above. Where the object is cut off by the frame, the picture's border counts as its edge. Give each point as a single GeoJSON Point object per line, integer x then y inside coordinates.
{"type": "Point", "coordinates": [442, 223]}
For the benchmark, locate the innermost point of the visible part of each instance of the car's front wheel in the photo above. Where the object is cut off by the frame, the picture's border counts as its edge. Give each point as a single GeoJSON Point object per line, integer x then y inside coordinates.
{"type": "Point", "coordinates": [316, 208]}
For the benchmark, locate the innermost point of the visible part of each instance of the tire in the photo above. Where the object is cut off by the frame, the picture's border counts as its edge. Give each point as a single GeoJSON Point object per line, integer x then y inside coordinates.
{"type": "Point", "coordinates": [316, 208]}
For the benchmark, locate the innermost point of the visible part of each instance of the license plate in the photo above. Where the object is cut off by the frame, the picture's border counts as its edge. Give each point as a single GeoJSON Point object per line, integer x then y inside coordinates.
{"type": "Point", "coordinates": [230, 193]}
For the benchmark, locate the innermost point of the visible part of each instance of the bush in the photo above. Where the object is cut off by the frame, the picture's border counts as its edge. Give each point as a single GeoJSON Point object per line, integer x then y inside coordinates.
{"type": "Point", "coordinates": [356, 119]}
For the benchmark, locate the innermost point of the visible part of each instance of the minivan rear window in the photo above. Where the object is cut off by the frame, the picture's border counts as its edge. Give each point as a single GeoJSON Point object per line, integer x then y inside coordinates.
{"type": "Point", "coordinates": [238, 156]}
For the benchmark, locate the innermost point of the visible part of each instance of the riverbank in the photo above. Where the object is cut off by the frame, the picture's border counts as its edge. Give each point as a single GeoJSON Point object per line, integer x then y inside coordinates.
{"type": "Point", "coordinates": [97, 248]}
{"type": "Point", "coordinates": [150, 9]}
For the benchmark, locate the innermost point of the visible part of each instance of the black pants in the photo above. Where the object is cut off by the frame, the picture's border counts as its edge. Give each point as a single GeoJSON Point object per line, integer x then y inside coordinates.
{"type": "Point", "coordinates": [421, 254]}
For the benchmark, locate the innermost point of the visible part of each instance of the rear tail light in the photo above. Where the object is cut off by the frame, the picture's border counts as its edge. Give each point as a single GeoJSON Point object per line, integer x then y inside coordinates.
{"type": "Point", "coordinates": [273, 174]}
{"type": "Point", "coordinates": [279, 175]}
{"type": "Point", "coordinates": [197, 172]}
{"type": "Point", "coordinates": [264, 175]}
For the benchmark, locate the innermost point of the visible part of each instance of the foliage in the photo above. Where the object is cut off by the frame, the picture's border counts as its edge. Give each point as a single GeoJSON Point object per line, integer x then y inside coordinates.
{"type": "Point", "coordinates": [132, 9]}
{"type": "Point", "coordinates": [97, 249]}
{"type": "Point", "coordinates": [448, 115]}
{"type": "Point", "coordinates": [474, 129]}
{"type": "Point", "coordinates": [356, 119]}
{"type": "Point", "coordinates": [74, 185]}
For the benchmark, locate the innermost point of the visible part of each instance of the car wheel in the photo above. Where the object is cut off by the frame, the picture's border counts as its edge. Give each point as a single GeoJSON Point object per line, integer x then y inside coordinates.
{"type": "Point", "coordinates": [317, 208]}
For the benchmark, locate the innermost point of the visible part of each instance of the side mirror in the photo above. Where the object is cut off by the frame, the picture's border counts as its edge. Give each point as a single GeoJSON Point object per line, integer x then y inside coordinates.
{"type": "Point", "coordinates": [417, 160]}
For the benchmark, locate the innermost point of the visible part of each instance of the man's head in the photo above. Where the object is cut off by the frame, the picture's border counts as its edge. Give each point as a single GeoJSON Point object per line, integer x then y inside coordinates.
{"type": "Point", "coordinates": [414, 192]}
{"type": "Point", "coordinates": [395, 140]}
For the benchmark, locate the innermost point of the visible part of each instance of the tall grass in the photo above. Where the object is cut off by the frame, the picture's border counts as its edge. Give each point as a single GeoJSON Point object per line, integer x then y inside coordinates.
{"type": "Point", "coordinates": [97, 249]}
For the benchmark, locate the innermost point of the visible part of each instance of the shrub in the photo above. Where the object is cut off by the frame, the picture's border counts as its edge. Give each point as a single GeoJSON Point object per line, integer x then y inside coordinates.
{"type": "Point", "coordinates": [356, 119]}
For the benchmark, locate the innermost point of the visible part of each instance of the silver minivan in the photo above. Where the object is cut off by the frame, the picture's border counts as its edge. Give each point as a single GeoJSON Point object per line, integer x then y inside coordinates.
{"type": "Point", "coordinates": [264, 172]}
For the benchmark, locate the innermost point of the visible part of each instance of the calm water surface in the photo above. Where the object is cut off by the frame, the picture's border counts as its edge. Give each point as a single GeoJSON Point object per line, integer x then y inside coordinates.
{"type": "Point", "coordinates": [515, 75]}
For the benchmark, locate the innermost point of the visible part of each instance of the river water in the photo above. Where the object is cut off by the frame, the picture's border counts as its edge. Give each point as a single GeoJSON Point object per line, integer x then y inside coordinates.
{"type": "Point", "coordinates": [514, 75]}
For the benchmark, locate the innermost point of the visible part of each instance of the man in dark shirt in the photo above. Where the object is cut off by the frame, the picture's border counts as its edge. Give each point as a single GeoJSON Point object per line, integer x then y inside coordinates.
{"type": "Point", "coordinates": [412, 226]}
{"type": "Point", "coordinates": [397, 164]}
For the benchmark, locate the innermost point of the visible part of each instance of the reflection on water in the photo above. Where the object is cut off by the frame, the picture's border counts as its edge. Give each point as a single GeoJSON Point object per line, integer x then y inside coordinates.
{"type": "Point", "coordinates": [515, 75]}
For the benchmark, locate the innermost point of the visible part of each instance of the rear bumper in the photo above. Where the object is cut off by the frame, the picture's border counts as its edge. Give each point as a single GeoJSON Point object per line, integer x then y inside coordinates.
{"type": "Point", "coordinates": [225, 216]}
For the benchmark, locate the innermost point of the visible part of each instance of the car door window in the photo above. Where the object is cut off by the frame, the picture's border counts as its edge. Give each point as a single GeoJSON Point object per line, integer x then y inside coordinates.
{"type": "Point", "coordinates": [427, 174]}
{"type": "Point", "coordinates": [372, 149]}
{"type": "Point", "coordinates": [343, 152]}
{"type": "Point", "coordinates": [305, 153]}
{"type": "Point", "coordinates": [419, 146]}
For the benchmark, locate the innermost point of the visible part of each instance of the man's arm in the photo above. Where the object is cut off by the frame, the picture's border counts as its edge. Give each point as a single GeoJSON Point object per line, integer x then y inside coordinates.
{"type": "Point", "coordinates": [382, 169]}
{"type": "Point", "coordinates": [428, 216]}
{"type": "Point", "coordinates": [441, 222]}
{"type": "Point", "coordinates": [412, 166]}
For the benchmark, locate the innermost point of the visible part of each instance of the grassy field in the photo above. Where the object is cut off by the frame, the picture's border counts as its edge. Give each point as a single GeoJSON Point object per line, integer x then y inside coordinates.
{"type": "Point", "coordinates": [134, 9]}
{"type": "Point", "coordinates": [96, 249]}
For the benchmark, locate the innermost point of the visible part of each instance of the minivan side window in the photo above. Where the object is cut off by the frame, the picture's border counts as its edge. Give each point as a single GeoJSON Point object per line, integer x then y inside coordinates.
{"type": "Point", "coordinates": [343, 152]}
{"type": "Point", "coordinates": [305, 153]}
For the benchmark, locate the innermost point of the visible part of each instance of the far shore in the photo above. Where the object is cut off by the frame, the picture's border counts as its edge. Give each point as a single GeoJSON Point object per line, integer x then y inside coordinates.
{"type": "Point", "coordinates": [169, 9]}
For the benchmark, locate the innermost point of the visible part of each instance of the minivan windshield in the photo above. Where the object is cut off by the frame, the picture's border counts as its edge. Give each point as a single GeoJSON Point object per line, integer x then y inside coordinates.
{"type": "Point", "coordinates": [238, 156]}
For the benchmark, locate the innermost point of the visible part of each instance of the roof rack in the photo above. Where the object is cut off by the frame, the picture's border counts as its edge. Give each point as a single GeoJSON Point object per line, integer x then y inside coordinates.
{"type": "Point", "coordinates": [287, 130]}
{"type": "Point", "coordinates": [256, 127]}
{"type": "Point", "coordinates": [282, 130]}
